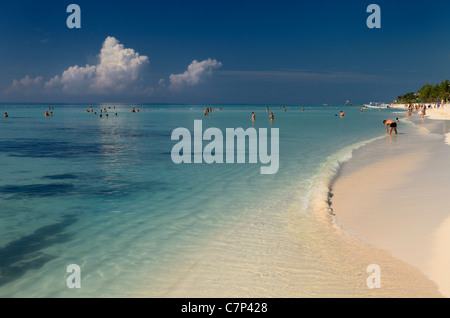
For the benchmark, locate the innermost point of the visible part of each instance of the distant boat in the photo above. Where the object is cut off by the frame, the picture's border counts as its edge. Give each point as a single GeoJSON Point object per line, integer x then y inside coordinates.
{"type": "Point", "coordinates": [326, 104]}
{"type": "Point", "coordinates": [376, 105]}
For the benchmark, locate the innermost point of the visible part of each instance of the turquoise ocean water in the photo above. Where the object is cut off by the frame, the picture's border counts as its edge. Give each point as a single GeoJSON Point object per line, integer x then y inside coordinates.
{"type": "Point", "coordinates": [103, 193]}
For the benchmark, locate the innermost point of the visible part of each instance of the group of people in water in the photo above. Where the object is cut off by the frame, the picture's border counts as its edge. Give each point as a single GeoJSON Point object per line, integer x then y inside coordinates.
{"type": "Point", "coordinates": [271, 116]}
{"type": "Point", "coordinates": [104, 110]}
{"type": "Point", "coordinates": [208, 111]}
{"type": "Point", "coordinates": [134, 110]}
{"type": "Point", "coordinates": [47, 114]}
{"type": "Point", "coordinates": [390, 124]}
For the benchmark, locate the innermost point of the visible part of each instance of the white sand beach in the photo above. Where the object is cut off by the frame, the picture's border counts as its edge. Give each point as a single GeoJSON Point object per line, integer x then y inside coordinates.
{"type": "Point", "coordinates": [393, 193]}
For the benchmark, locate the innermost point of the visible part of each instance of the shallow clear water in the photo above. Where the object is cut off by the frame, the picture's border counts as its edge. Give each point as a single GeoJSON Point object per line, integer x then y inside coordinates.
{"type": "Point", "coordinates": [103, 193]}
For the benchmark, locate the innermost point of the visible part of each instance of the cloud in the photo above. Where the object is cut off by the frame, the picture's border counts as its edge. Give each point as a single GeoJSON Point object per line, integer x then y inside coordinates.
{"type": "Point", "coordinates": [194, 74]}
{"type": "Point", "coordinates": [74, 80]}
{"type": "Point", "coordinates": [117, 71]}
{"type": "Point", "coordinates": [118, 66]}
{"type": "Point", "coordinates": [26, 86]}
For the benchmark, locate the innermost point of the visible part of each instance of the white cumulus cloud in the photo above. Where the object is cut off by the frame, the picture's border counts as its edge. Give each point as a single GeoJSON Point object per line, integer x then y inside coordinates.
{"type": "Point", "coordinates": [194, 73]}
{"type": "Point", "coordinates": [25, 86]}
{"type": "Point", "coordinates": [74, 80]}
{"type": "Point", "coordinates": [117, 70]}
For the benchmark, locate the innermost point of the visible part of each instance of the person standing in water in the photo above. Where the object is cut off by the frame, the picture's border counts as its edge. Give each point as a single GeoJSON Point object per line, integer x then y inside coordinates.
{"type": "Point", "coordinates": [6, 115]}
{"type": "Point", "coordinates": [253, 116]}
{"type": "Point", "coordinates": [390, 125]}
{"type": "Point", "coordinates": [272, 117]}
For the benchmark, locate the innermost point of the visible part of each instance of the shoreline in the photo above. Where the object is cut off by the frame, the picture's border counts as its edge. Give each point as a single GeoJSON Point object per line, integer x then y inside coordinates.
{"type": "Point", "coordinates": [389, 195]}
{"type": "Point", "coordinates": [273, 249]}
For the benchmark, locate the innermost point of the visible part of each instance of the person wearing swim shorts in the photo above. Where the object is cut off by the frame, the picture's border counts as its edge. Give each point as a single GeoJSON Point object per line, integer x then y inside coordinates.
{"type": "Point", "coordinates": [390, 126]}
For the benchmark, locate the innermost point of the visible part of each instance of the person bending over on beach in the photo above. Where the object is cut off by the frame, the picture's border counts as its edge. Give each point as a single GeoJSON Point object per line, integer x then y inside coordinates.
{"type": "Point", "coordinates": [392, 124]}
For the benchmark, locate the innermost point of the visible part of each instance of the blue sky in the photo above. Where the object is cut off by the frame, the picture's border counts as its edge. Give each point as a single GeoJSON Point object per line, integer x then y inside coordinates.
{"type": "Point", "coordinates": [290, 52]}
